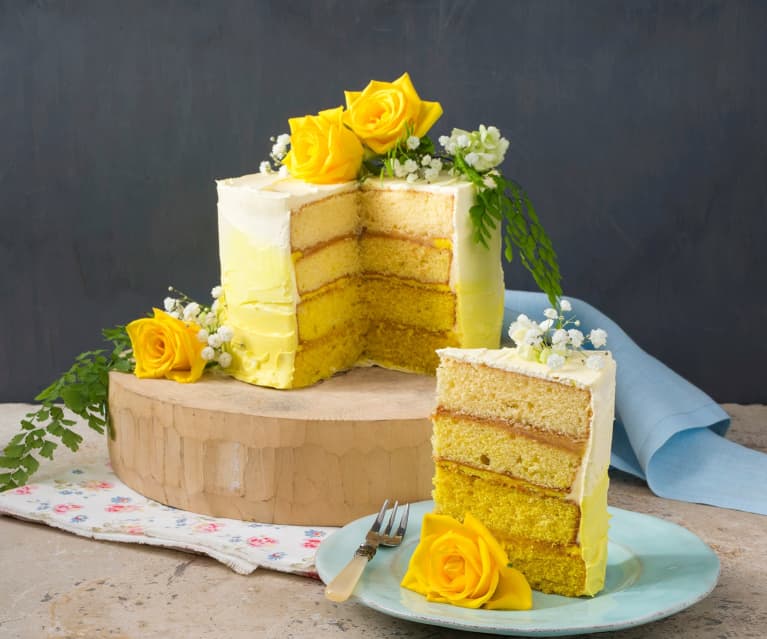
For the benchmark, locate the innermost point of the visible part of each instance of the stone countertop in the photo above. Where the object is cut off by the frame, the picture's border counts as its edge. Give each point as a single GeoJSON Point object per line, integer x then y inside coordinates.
{"type": "Point", "coordinates": [55, 584]}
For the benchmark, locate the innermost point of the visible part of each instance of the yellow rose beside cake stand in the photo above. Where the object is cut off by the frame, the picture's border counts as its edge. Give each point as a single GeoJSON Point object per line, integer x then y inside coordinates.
{"type": "Point", "coordinates": [323, 455]}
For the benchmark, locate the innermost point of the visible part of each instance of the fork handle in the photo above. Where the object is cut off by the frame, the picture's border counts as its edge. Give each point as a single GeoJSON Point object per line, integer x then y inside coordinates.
{"type": "Point", "coordinates": [342, 586]}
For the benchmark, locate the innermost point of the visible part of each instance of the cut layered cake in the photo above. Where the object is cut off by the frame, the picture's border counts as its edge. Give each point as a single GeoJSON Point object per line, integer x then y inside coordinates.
{"type": "Point", "coordinates": [525, 449]}
{"type": "Point", "coordinates": [321, 278]}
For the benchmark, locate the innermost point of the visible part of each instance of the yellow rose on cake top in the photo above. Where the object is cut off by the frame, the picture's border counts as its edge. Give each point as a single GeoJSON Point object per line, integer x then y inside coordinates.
{"type": "Point", "coordinates": [462, 564]}
{"type": "Point", "coordinates": [165, 346]}
{"type": "Point", "coordinates": [322, 149]}
{"type": "Point", "coordinates": [381, 114]}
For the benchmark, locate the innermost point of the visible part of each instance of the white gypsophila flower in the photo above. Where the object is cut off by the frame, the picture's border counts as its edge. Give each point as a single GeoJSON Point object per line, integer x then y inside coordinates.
{"type": "Point", "coordinates": [559, 336]}
{"type": "Point", "coordinates": [283, 138]}
{"type": "Point", "coordinates": [214, 306]}
{"type": "Point", "coordinates": [224, 360]}
{"type": "Point", "coordinates": [215, 292]}
{"type": "Point", "coordinates": [565, 305]}
{"type": "Point", "coordinates": [169, 303]}
{"type": "Point", "coordinates": [208, 354]}
{"type": "Point", "coordinates": [202, 335]}
{"type": "Point", "coordinates": [431, 174]}
{"type": "Point", "coordinates": [472, 158]}
{"type": "Point", "coordinates": [226, 333]}
{"type": "Point", "coordinates": [488, 182]}
{"type": "Point", "coordinates": [175, 314]}
{"type": "Point", "coordinates": [412, 177]}
{"type": "Point", "coordinates": [533, 336]}
{"type": "Point", "coordinates": [279, 151]}
{"type": "Point", "coordinates": [426, 160]}
{"type": "Point", "coordinates": [283, 172]}
{"type": "Point", "coordinates": [546, 324]}
{"type": "Point", "coordinates": [410, 166]}
{"type": "Point", "coordinates": [214, 341]}
{"type": "Point", "coordinates": [398, 168]}
{"type": "Point", "coordinates": [595, 362]}
{"type": "Point", "coordinates": [436, 163]}
{"type": "Point", "coordinates": [462, 140]}
{"type": "Point", "coordinates": [447, 144]}
{"type": "Point", "coordinates": [598, 337]}
{"type": "Point", "coordinates": [526, 351]}
{"type": "Point", "coordinates": [576, 337]}
{"type": "Point", "coordinates": [555, 361]}
{"type": "Point", "coordinates": [191, 311]}
{"type": "Point", "coordinates": [264, 167]}
{"type": "Point", "coordinates": [413, 142]}
{"type": "Point", "coordinates": [210, 319]}
{"type": "Point", "coordinates": [551, 313]}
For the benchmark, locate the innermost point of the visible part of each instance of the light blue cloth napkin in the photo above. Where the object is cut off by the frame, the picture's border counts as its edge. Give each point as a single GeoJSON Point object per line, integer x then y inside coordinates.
{"type": "Point", "coordinates": [667, 431]}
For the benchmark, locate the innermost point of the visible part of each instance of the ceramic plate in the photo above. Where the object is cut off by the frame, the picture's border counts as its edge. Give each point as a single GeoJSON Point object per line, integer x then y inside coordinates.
{"type": "Point", "coordinates": [654, 569]}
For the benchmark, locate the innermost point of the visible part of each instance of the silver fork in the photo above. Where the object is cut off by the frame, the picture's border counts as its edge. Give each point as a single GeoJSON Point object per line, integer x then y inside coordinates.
{"type": "Point", "coordinates": [343, 584]}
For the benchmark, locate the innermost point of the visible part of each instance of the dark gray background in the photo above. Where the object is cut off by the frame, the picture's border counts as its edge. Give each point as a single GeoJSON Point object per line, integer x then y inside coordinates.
{"type": "Point", "coordinates": [638, 128]}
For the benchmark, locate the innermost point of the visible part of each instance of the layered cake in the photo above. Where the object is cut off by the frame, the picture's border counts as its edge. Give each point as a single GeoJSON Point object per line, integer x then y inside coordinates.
{"type": "Point", "coordinates": [525, 449]}
{"type": "Point", "coordinates": [320, 278]}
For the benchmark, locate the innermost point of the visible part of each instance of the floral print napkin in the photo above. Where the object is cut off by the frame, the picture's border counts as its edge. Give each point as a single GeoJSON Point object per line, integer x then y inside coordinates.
{"type": "Point", "coordinates": [92, 502]}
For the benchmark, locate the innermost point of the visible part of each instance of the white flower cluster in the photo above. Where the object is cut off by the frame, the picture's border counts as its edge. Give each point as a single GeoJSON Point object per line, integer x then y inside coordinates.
{"type": "Point", "coordinates": [426, 167]}
{"type": "Point", "coordinates": [279, 151]}
{"type": "Point", "coordinates": [482, 150]}
{"type": "Point", "coordinates": [214, 336]}
{"type": "Point", "coordinates": [551, 342]}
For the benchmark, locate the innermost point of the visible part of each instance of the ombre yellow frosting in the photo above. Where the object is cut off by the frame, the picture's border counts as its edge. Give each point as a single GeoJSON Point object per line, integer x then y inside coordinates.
{"type": "Point", "coordinates": [258, 270]}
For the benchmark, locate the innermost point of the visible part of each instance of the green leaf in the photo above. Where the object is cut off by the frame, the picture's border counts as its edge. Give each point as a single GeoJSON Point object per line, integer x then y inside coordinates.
{"type": "Point", "coordinates": [30, 463]}
{"type": "Point", "coordinates": [14, 451]}
{"type": "Point", "coordinates": [8, 462]}
{"type": "Point", "coordinates": [74, 399]}
{"type": "Point", "coordinates": [6, 482]}
{"type": "Point", "coordinates": [20, 477]}
{"type": "Point", "coordinates": [47, 449]}
{"type": "Point", "coordinates": [71, 439]}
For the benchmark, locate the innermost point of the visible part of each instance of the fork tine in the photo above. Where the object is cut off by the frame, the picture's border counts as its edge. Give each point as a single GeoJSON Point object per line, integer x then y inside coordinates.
{"type": "Point", "coordinates": [403, 522]}
{"type": "Point", "coordinates": [390, 523]}
{"type": "Point", "coordinates": [380, 517]}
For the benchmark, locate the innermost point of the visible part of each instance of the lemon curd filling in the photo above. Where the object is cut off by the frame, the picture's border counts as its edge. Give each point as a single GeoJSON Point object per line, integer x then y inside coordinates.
{"type": "Point", "coordinates": [320, 278]}
{"type": "Point", "coordinates": [526, 450]}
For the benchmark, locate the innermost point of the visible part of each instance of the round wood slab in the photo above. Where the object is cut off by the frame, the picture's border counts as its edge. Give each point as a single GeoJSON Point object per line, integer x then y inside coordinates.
{"type": "Point", "coordinates": [322, 456]}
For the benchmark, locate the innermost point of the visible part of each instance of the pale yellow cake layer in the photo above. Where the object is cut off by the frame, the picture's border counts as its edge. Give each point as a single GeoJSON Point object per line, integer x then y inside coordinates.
{"type": "Point", "coordinates": [431, 307]}
{"type": "Point", "coordinates": [405, 347]}
{"type": "Point", "coordinates": [328, 308]}
{"type": "Point", "coordinates": [504, 448]}
{"type": "Point", "coordinates": [321, 358]}
{"type": "Point", "coordinates": [324, 220]}
{"type": "Point", "coordinates": [503, 504]}
{"type": "Point", "coordinates": [405, 258]}
{"type": "Point", "coordinates": [419, 214]}
{"type": "Point", "coordinates": [475, 389]}
{"type": "Point", "coordinates": [339, 258]}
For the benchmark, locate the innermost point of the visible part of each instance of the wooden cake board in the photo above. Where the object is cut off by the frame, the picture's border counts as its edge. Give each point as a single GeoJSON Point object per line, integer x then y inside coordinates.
{"type": "Point", "coordinates": [322, 456]}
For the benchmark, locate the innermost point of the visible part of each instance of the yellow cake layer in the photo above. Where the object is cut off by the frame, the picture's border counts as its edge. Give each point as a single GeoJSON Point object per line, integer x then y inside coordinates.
{"type": "Point", "coordinates": [548, 568]}
{"type": "Point", "coordinates": [405, 347]}
{"type": "Point", "coordinates": [334, 352]}
{"type": "Point", "coordinates": [326, 309]}
{"type": "Point", "coordinates": [505, 448]}
{"type": "Point", "coordinates": [388, 299]}
{"type": "Point", "coordinates": [504, 504]}
{"type": "Point", "coordinates": [329, 262]}
{"type": "Point", "coordinates": [324, 220]}
{"type": "Point", "coordinates": [405, 258]}
{"type": "Point", "coordinates": [488, 392]}
{"type": "Point", "coordinates": [402, 212]}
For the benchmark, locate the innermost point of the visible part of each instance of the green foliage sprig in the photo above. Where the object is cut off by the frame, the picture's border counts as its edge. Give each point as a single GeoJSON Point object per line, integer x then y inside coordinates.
{"type": "Point", "coordinates": [83, 390]}
{"type": "Point", "coordinates": [506, 200]}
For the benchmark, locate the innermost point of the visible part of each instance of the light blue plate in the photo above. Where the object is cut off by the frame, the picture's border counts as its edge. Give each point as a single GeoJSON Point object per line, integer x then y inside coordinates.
{"type": "Point", "coordinates": [654, 569]}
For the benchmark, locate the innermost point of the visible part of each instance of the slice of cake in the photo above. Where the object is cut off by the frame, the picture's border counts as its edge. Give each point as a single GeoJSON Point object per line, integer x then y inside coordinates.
{"type": "Point", "coordinates": [525, 449]}
{"type": "Point", "coordinates": [320, 278]}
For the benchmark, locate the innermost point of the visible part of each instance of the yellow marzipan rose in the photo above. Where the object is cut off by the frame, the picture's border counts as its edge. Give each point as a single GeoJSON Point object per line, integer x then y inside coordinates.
{"type": "Point", "coordinates": [166, 347]}
{"type": "Point", "coordinates": [322, 149]}
{"type": "Point", "coordinates": [463, 565]}
{"type": "Point", "coordinates": [380, 113]}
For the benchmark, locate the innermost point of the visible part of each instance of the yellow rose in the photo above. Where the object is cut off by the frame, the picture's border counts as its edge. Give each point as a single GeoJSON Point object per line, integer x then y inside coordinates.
{"type": "Point", "coordinates": [379, 114]}
{"type": "Point", "coordinates": [463, 565]}
{"type": "Point", "coordinates": [322, 149]}
{"type": "Point", "coordinates": [166, 347]}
